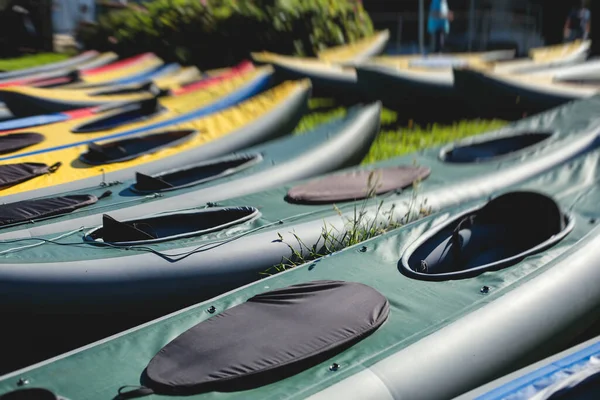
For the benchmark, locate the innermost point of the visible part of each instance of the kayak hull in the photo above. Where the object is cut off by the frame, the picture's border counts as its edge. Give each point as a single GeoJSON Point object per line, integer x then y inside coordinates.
{"type": "Point", "coordinates": [544, 375]}
{"type": "Point", "coordinates": [415, 92]}
{"type": "Point", "coordinates": [503, 98]}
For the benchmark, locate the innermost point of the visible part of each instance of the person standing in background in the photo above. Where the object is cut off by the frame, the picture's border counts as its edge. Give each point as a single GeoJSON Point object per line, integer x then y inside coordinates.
{"type": "Point", "coordinates": [438, 23]}
{"type": "Point", "coordinates": [577, 25]}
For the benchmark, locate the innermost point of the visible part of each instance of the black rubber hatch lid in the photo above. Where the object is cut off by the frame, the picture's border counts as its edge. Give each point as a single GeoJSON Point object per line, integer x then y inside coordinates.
{"type": "Point", "coordinates": [356, 185]}
{"type": "Point", "coordinates": [271, 335]}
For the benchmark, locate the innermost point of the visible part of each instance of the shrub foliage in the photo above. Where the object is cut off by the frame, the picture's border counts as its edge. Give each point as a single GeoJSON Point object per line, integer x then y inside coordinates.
{"type": "Point", "coordinates": [216, 33]}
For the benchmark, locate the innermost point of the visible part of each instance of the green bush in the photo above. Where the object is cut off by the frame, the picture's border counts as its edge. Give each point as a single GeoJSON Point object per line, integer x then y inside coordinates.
{"type": "Point", "coordinates": [215, 33]}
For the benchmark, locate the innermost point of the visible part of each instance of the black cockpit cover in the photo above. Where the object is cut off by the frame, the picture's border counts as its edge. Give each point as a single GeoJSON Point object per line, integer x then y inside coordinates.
{"type": "Point", "coordinates": [28, 210]}
{"type": "Point", "coordinates": [29, 394]}
{"type": "Point", "coordinates": [355, 185]}
{"type": "Point", "coordinates": [12, 142]}
{"type": "Point", "coordinates": [13, 174]}
{"type": "Point", "coordinates": [273, 333]}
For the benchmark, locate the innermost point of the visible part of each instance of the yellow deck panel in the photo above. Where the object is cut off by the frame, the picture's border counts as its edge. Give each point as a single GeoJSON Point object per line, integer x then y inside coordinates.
{"type": "Point", "coordinates": [347, 52]}
{"type": "Point", "coordinates": [60, 134]}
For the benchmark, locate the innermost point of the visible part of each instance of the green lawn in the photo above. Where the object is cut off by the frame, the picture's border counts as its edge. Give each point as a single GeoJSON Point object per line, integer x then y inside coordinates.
{"type": "Point", "coordinates": [394, 140]}
{"type": "Point", "coordinates": [28, 61]}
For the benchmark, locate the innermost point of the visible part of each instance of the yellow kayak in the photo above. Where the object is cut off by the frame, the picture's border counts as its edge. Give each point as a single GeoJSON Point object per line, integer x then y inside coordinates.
{"type": "Point", "coordinates": [182, 77]}
{"type": "Point", "coordinates": [63, 75]}
{"type": "Point", "coordinates": [356, 52]}
{"type": "Point", "coordinates": [576, 48]}
{"type": "Point", "coordinates": [118, 70]}
{"type": "Point", "coordinates": [134, 118]}
{"type": "Point", "coordinates": [352, 53]}
{"type": "Point", "coordinates": [87, 165]}
{"type": "Point", "coordinates": [29, 101]}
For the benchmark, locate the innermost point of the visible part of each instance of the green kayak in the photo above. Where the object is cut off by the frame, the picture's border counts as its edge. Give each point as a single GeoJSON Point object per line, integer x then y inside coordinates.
{"type": "Point", "coordinates": [181, 249]}
{"type": "Point", "coordinates": [516, 276]}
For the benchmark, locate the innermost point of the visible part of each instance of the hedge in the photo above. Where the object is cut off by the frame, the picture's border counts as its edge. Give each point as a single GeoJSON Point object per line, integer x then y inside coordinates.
{"type": "Point", "coordinates": [216, 33]}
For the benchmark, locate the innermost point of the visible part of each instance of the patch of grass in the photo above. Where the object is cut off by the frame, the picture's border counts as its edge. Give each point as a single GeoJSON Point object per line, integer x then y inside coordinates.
{"type": "Point", "coordinates": [392, 143]}
{"type": "Point", "coordinates": [29, 61]}
{"type": "Point", "coordinates": [358, 228]}
{"type": "Point", "coordinates": [394, 140]}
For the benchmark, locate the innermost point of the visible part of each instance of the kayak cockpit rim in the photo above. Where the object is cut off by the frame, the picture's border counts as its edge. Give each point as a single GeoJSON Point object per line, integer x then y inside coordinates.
{"type": "Point", "coordinates": [169, 226]}
{"type": "Point", "coordinates": [492, 149]}
{"type": "Point", "coordinates": [131, 148]}
{"type": "Point", "coordinates": [408, 262]}
{"type": "Point", "coordinates": [122, 115]}
{"type": "Point", "coordinates": [194, 175]}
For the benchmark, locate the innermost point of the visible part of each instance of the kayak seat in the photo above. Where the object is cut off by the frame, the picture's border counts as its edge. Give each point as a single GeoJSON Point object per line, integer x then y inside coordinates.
{"type": "Point", "coordinates": [13, 174]}
{"type": "Point", "coordinates": [356, 185]}
{"type": "Point", "coordinates": [132, 148]}
{"type": "Point", "coordinates": [123, 115]}
{"type": "Point", "coordinates": [505, 230]}
{"type": "Point", "coordinates": [490, 149]}
{"type": "Point", "coordinates": [12, 142]}
{"type": "Point", "coordinates": [272, 335]}
{"type": "Point", "coordinates": [193, 175]}
{"type": "Point", "coordinates": [168, 226]}
{"type": "Point", "coordinates": [30, 210]}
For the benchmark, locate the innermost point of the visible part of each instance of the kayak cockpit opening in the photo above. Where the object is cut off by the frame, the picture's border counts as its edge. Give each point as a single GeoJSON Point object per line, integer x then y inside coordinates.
{"type": "Point", "coordinates": [123, 115]}
{"type": "Point", "coordinates": [12, 142]}
{"type": "Point", "coordinates": [501, 233]}
{"type": "Point", "coordinates": [131, 148]}
{"type": "Point", "coordinates": [480, 151]}
{"type": "Point", "coordinates": [194, 175]}
{"type": "Point", "coordinates": [356, 184]}
{"type": "Point", "coordinates": [169, 226]}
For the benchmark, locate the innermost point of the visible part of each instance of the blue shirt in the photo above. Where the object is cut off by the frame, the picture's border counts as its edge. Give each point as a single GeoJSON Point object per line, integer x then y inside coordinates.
{"type": "Point", "coordinates": [435, 24]}
{"type": "Point", "coordinates": [579, 18]}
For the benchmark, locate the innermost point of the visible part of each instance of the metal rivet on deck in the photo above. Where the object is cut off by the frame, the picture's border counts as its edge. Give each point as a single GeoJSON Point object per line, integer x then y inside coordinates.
{"type": "Point", "coordinates": [23, 382]}
{"type": "Point", "coordinates": [334, 367]}
{"type": "Point", "coordinates": [485, 290]}
{"type": "Point", "coordinates": [363, 249]}
{"type": "Point", "coordinates": [592, 220]}
{"type": "Point", "coordinates": [211, 309]}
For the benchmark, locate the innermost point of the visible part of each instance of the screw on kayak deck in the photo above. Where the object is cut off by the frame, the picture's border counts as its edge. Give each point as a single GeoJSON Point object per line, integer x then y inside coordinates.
{"type": "Point", "coordinates": [363, 249]}
{"type": "Point", "coordinates": [23, 382]}
{"type": "Point", "coordinates": [211, 309]}
{"type": "Point", "coordinates": [485, 290]}
{"type": "Point", "coordinates": [334, 367]}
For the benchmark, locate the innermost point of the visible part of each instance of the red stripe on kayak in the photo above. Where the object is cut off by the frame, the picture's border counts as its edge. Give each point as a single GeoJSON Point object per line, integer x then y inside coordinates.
{"type": "Point", "coordinates": [16, 82]}
{"type": "Point", "coordinates": [244, 66]}
{"type": "Point", "coordinates": [116, 65]}
{"type": "Point", "coordinates": [81, 112]}
{"type": "Point", "coordinates": [48, 82]}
